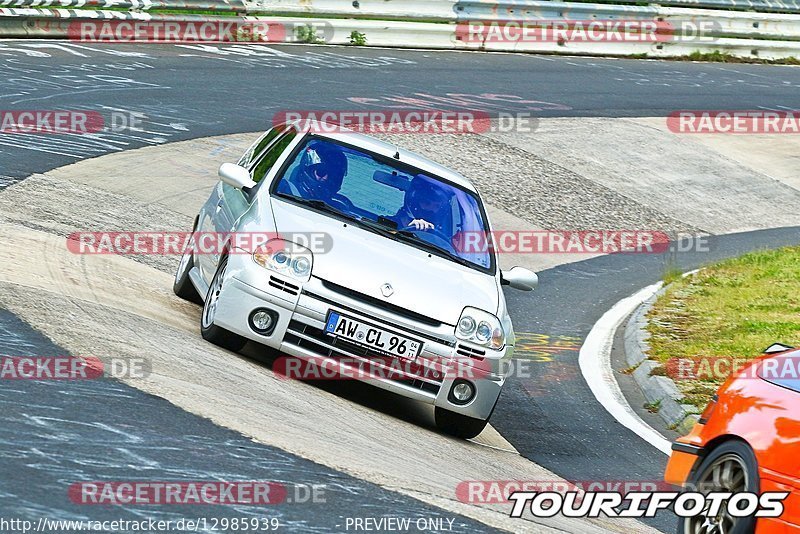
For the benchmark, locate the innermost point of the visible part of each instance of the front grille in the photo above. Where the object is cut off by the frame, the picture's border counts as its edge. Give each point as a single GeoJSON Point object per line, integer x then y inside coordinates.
{"type": "Point", "coordinates": [317, 341]}
{"type": "Point", "coordinates": [378, 303]}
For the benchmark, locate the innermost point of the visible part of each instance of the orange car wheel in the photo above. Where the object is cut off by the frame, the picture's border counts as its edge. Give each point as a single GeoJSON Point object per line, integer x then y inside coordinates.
{"type": "Point", "coordinates": [729, 467]}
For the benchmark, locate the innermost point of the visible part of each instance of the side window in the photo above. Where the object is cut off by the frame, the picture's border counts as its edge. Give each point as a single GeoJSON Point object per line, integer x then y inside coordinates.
{"type": "Point", "coordinates": [266, 160]}
{"type": "Point", "coordinates": [259, 146]}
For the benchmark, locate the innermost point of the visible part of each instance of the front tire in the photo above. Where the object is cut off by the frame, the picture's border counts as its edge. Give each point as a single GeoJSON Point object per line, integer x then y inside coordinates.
{"type": "Point", "coordinates": [211, 332]}
{"type": "Point", "coordinates": [458, 425]}
{"type": "Point", "coordinates": [182, 286]}
{"type": "Point", "coordinates": [730, 467]}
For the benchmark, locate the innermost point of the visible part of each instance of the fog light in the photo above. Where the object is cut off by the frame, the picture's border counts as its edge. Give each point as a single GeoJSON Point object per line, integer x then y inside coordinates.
{"type": "Point", "coordinates": [263, 321]}
{"type": "Point", "coordinates": [462, 392]}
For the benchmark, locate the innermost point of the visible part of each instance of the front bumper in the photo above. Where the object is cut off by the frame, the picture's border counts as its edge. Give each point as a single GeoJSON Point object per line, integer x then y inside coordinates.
{"type": "Point", "coordinates": [681, 462]}
{"type": "Point", "coordinates": [302, 310]}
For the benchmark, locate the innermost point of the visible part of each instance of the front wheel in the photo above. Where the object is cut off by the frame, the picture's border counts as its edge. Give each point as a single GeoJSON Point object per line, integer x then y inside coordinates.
{"type": "Point", "coordinates": [458, 425]}
{"type": "Point", "coordinates": [211, 332]}
{"type": "Point", "coordinates": [730, 467]}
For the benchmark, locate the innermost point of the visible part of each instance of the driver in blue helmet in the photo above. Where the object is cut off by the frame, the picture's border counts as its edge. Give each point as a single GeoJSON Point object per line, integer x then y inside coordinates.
{"type": "Point", "coordinates": [319, 175]}
{"type": "Point", "coordinates": [425, 207]}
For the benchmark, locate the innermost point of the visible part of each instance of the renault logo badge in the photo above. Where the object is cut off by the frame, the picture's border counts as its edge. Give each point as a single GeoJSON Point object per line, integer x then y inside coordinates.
{"type": "Point", "coordinates": [387, 290]}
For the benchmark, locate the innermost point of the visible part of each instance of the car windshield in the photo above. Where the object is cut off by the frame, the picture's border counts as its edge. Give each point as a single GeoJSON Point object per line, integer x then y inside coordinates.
{"type": "Point", "coordinates": [782, 370]}
{"type": "Point", "coordinates": [387, 197]}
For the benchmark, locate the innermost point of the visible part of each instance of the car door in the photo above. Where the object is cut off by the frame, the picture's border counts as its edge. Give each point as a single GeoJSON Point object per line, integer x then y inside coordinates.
{"type": "Point", "coordinates": [232, 203]}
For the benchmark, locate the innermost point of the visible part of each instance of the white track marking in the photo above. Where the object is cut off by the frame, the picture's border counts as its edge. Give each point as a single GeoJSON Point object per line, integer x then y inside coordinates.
{"type": "Point", "coordinates": [595, 363]}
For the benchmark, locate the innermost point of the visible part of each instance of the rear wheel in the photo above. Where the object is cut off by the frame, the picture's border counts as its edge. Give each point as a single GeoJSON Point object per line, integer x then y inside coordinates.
{"type": "Point", "coordinates": [730, 467]}
{"type": "Point", "coordinates": [182, 286]}
{"type": "Point", "coordinates": [210, 331]}
{"type": "Point", "coordinates": [458, 425]}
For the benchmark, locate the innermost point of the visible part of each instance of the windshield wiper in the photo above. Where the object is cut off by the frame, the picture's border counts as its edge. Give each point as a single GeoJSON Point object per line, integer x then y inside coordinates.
{"type": "Point", "coordinates": [415, 239]}
{"type": "Point", "coordinates": [316, 204]}
{"type": "Point", "coordinates": [382, 229]}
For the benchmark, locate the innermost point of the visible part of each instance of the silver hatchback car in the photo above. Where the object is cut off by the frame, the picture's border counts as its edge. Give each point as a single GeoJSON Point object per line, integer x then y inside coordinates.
{"type": "Point", "coordinates": [367, 259]}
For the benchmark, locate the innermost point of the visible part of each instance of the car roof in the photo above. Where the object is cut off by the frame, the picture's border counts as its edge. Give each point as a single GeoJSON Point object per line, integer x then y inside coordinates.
{"type": "Point", "coordinates": [371, 144]}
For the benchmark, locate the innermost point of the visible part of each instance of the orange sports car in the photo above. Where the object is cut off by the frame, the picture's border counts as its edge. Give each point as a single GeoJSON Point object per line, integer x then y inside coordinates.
{"type": "Point", "coordinates": [747, 439]}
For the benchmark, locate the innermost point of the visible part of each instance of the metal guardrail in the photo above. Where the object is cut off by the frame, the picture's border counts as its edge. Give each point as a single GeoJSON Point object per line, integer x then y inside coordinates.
{"type": "Point", "coordinates": [531, 10]}
{"type": "Point", "coordinates": [756, 26]}
{"type": "Point", "coordinates": [763, 35]}
{"type": "Point", "coordinates": [424, 10]}
{"type": "Point", "coordinates": [235, 6]}
{"type": "Point", "coordinates": [482, 8]}
{"type": "Point", "coordinates": [441, 10]}
{"type": "Point", "coordinates": [717, 24]}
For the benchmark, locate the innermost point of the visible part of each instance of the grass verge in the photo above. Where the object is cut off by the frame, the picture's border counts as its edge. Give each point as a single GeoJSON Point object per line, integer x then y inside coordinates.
{"type": "Point", "coordinates": [721, 57]}
{"type": "Point", "coordinates": [734, 309]}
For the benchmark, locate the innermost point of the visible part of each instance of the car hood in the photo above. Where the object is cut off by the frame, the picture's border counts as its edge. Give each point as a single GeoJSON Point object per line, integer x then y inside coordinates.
{"type": "Point", "coordinates": [363, 261]}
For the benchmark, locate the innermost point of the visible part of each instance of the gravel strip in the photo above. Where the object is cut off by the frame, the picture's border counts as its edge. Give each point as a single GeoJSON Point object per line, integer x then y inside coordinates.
{"type": "Point", "coordinates": [534, 189]}
{"type": "Point", "coordinates": [62, 207]}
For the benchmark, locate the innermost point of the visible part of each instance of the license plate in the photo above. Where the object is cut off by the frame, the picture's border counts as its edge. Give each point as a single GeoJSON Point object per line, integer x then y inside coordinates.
{"type": "Point", "coordinates": [372, 337]}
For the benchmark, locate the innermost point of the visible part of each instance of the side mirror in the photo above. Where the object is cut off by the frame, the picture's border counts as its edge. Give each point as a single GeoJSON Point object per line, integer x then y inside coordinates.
{"type": "Point", "coordinates": [235, 176]}
{"type": "Point", "coordinates": [520, 278]}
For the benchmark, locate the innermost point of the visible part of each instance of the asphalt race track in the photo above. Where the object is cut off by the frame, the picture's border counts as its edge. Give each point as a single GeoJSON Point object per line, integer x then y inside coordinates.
{"type": "Point", "coordinates": [185, 92]}
{"type": "Point", "coordinates": [191, 91]}
{"type": "Point", "coordinates": [552, 417]}
{"type": "Point", "coordinates": [58, 432]}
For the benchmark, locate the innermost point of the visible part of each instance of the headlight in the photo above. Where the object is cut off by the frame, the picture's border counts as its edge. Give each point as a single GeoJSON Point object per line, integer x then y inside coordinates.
{"type": "Point", "coordinates": [466, 326]}
{"type": "Point", "coordinates": [483, 332]}
{"type": "Point", "coordinates": [301, 267]}
{"type": "Point", "coordinates": [286, 258]}
{"type": "Point", "coordinates": [480, 327]}
{"type": "Point", "coordinates": [280, 259]}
